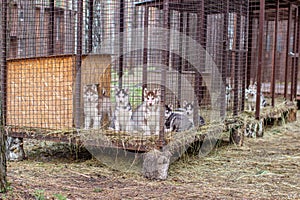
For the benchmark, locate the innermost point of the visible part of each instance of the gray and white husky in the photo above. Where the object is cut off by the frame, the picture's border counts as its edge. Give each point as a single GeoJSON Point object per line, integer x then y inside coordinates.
{"type": "Point", "coordinates": [123, 111]}
{"type": "Point", "coordinates": [188, 109]}
{"type": "Point", "coordinates": [176, 121]}
{"type": "Point", "coordinates": [91, 106]}
{"type": "Point", "coordinates": [250, 97]}
{"type": "Point", "coordinates": [147, 115]}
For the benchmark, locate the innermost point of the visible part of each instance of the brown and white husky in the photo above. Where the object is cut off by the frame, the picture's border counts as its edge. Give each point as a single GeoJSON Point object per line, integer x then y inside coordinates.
{"type": "Point", "coordinates": [147, 115]}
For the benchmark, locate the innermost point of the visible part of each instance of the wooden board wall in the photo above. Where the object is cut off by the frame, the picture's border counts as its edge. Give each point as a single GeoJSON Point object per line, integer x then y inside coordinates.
{"type": "Point", "coordinates": [40, 92]}
{"type": "Point", "coordinates": [96, 69]}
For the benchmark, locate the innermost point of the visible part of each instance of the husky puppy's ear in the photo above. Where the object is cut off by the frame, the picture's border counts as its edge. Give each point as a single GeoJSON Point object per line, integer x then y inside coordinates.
{"type": "Point", "coordinates": [95, 87]}
{"type": "Point", "coordinates": [157, 91]}
{"type": "Point", "coordinates": [171, 106]}
{"type": "Point", "coordinates": [117, 89]}
{"type": "Point", "coordinates": [126, 90]}
{"type": "Point", "coordinates": [103, 91]}
{"type": "Point", "coordinates": [85, 87]}
{"type": "Point", "coordinates": [145, 92]}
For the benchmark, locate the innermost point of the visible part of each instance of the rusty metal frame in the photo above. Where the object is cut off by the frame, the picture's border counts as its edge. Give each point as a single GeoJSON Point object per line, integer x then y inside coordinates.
{"type": "Point", "coordinates": [260, 56]}
{"type": "Point", "coordinates": [121, 42]}
{"type": "Point", "coordinates": [90, 26]}
{"type": "Point", "coordinates": [77, 121]}
{"type": "Point", "coordinates": [287, 52]}
{"type": "Point", "coordinates": [295, 56]}
{"type": "Point", "coordinates": [273, 80]}
{"type": "Point", "coordinates": [4, 63]}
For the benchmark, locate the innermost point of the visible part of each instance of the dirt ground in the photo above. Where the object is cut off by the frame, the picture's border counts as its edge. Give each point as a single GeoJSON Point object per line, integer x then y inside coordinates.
{"type": "Point", "coordinates": [263, 168]}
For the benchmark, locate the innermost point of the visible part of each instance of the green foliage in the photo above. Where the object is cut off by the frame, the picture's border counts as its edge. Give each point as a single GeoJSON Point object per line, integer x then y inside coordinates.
{"type": "Point", "coordinates": [39, 195]}
{"type": "Point", "coordinates": [60, 197]}
{"type": "Point", "coordinates": [98, 190]}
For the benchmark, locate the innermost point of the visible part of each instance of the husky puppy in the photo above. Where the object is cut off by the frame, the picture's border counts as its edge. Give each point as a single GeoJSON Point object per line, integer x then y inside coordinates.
{"type": "Point", "coordinates": [122, 120]}
{"type": "Point", "coordinates": [147, 115]}
{"type": "Point", "coordinates": [91, 106]}
{"type": "Point", "coordinates": [176, 122]}
{"type": "Point", "coordinates": [228, 92]}
{"type": "Point", "coordinates": [189, 112]}
{"type": "Point", "coordinates": [14, 149]}
{"type": "Point", "coordinates": [250, 97]}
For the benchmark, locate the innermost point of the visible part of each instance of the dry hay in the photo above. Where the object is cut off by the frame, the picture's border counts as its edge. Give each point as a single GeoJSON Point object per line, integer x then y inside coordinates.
{"type": "Point", "coordinates": [263, 168]}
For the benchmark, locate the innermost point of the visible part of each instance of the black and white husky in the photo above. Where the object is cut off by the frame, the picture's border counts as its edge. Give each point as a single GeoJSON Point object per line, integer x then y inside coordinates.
{"type": "Point", "coordinates": [188, 109]}
{"type": "Point", "coordinates": [123, 111]}
{"type": "Point", "coordinates": [176, 121]}
{"type": "Point", "coordinates": [147, 115]}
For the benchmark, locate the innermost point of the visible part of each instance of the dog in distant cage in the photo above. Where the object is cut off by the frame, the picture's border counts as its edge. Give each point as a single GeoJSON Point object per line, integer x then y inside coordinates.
{"type": "Point", "coordinates": [91, 106]}
{"type": "Point", "coordinates": [250, 97]}
{"type": "Point", "coordinates": [147, 115]}
{"type": "Point", "coordinates": [122, 120]}
{"type": "Point", "coordinates": [228, 91]}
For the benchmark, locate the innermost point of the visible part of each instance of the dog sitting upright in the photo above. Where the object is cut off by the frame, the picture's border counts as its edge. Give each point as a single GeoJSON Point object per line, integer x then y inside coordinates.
{"type": "Point", "coordinates": [250, 97]}
{"type": "Point", "coordinates": [123, 111]}
{"type": "Point", "coordinates": [189, 112]}
{"type": "Point", "coordinates": [147, 115]}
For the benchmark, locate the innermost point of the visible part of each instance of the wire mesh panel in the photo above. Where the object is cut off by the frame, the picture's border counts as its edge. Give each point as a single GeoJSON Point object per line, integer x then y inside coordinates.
{"type": "Point", "coordinates": [158, 69]}
{"type": "Point", "coordinates": [117, 66]}
{"type": "Point", "coordinates": [280, 46]}
{"type": "Point", "coordinates": [40, 68]}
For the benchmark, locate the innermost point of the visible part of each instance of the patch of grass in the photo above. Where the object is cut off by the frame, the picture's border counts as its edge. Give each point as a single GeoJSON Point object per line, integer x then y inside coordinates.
{"type": "Point", "coordinates": [39, 195]}
{"type": "Point", "coordinates": [98, 190]}
{"type": "Point", "coordinates": [60, 197]}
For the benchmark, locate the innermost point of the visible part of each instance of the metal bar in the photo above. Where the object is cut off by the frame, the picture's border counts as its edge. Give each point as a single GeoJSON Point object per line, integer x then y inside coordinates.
{"type": "Point", "coordinates": [180, 58]}
{"type": "Point", "coordinates": [225, 59]}
{"type": "Point", "coordinates": [90, 26]}
{"type": "Point", "coordinates": [145, 51]}
{"type": "Point", "coordinates": [294, 58]}
{"type": "Point", "coordinates": [51, 28]}
{"type": "Point", "coordinates": [4, 64]}
{"type": "Point", "coordinates": [237, 65]}
{"type": "Point", "coordinates": [287, 52]}
{"type": "Point", "coordinates": [198, 89]}
{"type": "Point", "coordinates": [273, 80]}
{"type": "Point", "coordinates": [244, 53]}
{"type": "Point", "coordinates": [249, 54]}
{"type": "Point", "coordinates": [166, 56]}
{"type": "Point", "coordinates": [78, 65]}
{"type": "Point", "coordinates": [121, 41]}
{"type": "Point", "coordinates": [260, 56]}
{"type": "Point", "coordinates": [298, 58]}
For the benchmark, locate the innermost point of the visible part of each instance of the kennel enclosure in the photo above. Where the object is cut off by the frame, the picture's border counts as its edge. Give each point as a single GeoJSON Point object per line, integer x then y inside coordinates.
{"type": "Point", "coordinates": [52, 48]}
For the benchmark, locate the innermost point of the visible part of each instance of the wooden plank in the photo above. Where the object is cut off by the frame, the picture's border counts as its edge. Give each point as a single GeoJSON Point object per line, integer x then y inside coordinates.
{"type": "Point", "coordinates": [40, 92]}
